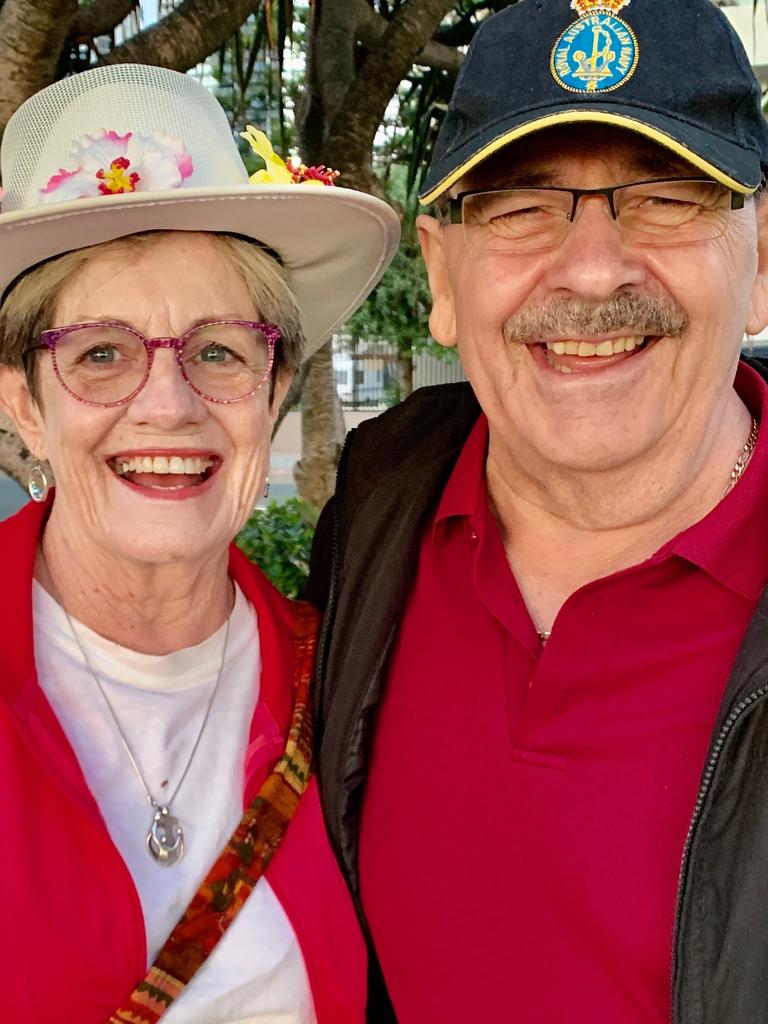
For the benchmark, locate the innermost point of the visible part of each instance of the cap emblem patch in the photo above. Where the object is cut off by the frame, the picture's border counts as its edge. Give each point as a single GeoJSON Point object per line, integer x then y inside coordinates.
{"type": "Point", "coordinates": [597, 53]}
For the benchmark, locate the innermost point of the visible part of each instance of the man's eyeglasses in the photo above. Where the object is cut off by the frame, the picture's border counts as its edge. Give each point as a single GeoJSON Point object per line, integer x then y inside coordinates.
{"type": "Point", "coordinates": [675, 211]}
{"type": "Point", "coordinates": [107, 364]}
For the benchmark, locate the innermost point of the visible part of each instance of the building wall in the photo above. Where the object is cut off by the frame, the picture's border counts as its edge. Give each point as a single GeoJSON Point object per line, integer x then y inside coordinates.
{"type": "Point", "coordinates": [429, 370]}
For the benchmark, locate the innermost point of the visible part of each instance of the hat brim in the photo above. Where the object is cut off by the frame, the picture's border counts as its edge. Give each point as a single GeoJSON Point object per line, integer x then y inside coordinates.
{"type": "Point", "coordinates": [718, 158]}
{"type": "Point", "coordinates": [335, 243]}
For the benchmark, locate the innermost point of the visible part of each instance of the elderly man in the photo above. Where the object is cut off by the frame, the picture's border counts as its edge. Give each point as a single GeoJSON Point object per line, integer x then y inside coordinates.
{"type": "Point", "coordinates": [544, 672]}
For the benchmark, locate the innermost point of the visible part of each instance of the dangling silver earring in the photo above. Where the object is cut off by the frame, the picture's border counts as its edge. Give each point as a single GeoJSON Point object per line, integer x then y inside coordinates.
{"type": "Point", "coordinates": [38, 483]}
{"type": "Point", "coordinates": [266, 487]}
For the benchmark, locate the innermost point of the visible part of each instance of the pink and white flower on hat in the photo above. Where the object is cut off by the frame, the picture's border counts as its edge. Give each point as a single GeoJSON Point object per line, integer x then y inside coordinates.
{"type": "Point", "coordinates": [111, 164]}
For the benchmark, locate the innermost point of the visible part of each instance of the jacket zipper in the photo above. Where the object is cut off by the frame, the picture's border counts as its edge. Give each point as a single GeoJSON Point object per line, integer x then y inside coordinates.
{"type": "Point", "coordinates": [706, 783]}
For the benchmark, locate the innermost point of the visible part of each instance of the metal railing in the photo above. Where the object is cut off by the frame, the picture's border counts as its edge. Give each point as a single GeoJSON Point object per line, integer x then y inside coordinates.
{"type": "Point", "coordinates": [375, 374]}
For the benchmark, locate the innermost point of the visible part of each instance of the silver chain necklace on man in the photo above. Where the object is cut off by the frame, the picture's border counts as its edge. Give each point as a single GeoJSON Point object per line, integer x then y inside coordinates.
{"type": "Point", "coordinates": [736, 474]}
{"type": "Point", "coordinates": [165, 838]}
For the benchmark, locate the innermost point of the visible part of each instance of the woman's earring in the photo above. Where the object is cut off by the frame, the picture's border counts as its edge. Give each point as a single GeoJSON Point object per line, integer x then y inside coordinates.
{"type": "Point", "coordinates": [266, 487]}
{"type": "Point", "coordinates": [38, 483]}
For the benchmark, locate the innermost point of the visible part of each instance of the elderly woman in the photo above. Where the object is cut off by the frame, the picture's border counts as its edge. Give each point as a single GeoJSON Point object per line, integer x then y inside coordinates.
{"type": "Point", "coordinates": [163, 853]}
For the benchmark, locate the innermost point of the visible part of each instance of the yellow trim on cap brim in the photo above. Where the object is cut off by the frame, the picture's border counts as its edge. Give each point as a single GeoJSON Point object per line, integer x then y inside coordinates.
{"type": "Point", "coordinates": [598, 117]}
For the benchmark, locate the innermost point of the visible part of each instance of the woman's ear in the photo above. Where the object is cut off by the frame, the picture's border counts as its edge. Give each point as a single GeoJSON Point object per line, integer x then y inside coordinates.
{"type": "Point", "coordinates": [16, 401]}
{"type": "Point", "coordinates": [442, 319]}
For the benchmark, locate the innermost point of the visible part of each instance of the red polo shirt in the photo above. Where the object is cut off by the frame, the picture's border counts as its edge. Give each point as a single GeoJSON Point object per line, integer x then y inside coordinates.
{"type": "Point", "coordinates": [526, 809]}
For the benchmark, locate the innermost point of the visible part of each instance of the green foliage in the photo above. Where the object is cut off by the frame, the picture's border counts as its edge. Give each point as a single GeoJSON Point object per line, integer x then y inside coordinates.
{"type": "Point", "coordinates": [259, 73]}
{"type": "Point", "coordinates": [413, 120]}
{"type": "Point", "coordinates": [392, 394]}
{"type": "Point", "coordinates": [398, 309]}
{"type": "Point", "coordinates": [278, 539]}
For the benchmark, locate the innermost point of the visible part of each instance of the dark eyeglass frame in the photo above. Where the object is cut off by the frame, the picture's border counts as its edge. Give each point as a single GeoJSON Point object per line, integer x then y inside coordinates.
{"type": "Point", "coordinates": [455, 205]}
{"type": "Point", "coordinates": [49, 340]}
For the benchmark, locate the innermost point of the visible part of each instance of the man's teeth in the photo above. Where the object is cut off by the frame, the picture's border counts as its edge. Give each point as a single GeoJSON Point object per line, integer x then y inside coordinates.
{"type": "Point", "coordinates": [164, 465]}
{"type": "Point", "coordinates": [610, 347]}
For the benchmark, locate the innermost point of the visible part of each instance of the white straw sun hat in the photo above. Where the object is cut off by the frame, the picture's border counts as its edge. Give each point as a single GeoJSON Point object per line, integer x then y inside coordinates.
{"type": "Point", "coordinates": [163, 138]}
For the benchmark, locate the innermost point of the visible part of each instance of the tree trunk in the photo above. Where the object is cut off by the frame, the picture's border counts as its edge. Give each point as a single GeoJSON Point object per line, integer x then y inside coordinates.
{"type": "Point", "coordinates": [344, 104]}
{"type": "Point", "coordinates": [14, 456]}
{"type": "Point", "coordinates": [32, 34]}
{"type": "Point", "coordinates": [322, 432]}
{"type": "Point", "coordinates": [330, 72]}
{"type": "Point", "coordinates": [353, 125]}
{"type": "Point", "coordinates": [293, 397]}
{"type": "Point", "coordinates": [372, 28]}
{"type": "Point", "coordinates": [405, 373]}
{"type": "Point", "coordinates": [99, 18]}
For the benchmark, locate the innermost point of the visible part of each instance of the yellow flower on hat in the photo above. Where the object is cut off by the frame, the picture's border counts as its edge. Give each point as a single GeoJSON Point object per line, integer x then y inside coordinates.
{"type": "Point", "coordinates": [277, 171]}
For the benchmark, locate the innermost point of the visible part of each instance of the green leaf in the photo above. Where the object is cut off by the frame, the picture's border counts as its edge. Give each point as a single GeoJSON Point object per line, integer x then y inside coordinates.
{"type": "Point", "coordinates": [279, 540]}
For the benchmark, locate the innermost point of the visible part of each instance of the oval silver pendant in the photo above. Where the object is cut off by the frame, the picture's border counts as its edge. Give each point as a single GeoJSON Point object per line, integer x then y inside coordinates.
{"type": "Point", "coordinates": [165, 839]}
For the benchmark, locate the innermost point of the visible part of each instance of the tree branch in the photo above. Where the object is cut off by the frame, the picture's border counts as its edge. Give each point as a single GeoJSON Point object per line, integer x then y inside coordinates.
{"type": "Point", "coordinates": [32, 34]}
{"type": "Point", "coordinates": [100, 18]}
{"type": "Point", "coordinates": [460, 31]}
{"type": "Point", "coordinates": [186, 36]}
{"type": "Point", "coordinates": [332, 66]}
{"type": "Point", "coordinates": [371, 28]}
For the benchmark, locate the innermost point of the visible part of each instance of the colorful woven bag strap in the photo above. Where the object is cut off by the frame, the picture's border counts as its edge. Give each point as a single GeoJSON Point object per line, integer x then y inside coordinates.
{"type": "Point", "coordinates": [243, 860]}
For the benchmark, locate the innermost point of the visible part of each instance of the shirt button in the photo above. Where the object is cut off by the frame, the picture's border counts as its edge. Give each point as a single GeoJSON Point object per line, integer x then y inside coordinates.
{"type": "Point", "coordinates": [473, 535]}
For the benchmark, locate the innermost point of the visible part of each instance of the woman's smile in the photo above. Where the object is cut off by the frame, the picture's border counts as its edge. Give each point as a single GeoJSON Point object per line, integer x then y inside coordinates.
{"type": "Point", "coordinates": [166, 473]}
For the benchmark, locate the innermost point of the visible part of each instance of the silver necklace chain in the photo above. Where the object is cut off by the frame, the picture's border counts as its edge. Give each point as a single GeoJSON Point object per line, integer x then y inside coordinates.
{"type": "Point", "coordinates": [736, 474]}
{"type": "Point", "coordinates": [165, 838]}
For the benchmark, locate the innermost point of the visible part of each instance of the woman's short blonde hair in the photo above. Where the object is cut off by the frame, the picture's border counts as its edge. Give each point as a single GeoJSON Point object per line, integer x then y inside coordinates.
{"type": "Point", "coordinates": [29, 306]}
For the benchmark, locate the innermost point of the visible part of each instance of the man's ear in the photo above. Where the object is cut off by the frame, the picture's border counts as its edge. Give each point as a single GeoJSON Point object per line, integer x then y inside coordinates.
{"type": "Point", "coordinates": [17, 402]}
{"type": "Point", "coordinates": [442, 319]}
{"type": "Point", "coordinates": [757, 319]}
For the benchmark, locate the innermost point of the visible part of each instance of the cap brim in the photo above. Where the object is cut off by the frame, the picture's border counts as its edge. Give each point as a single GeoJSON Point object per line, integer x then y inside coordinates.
{"type": "Point", "coordinates": [335, 243]}
{"type": "Point", "coordinates": [726, 162]}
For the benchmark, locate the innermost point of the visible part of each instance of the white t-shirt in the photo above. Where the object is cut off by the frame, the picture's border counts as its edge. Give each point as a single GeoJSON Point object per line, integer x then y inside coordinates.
{"type": "Point", "coordinates": [257, 972]}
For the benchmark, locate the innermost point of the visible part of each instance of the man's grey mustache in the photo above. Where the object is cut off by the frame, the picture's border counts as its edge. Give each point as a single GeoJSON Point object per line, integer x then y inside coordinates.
{"type": "Point", "coordinates": [624, 313]}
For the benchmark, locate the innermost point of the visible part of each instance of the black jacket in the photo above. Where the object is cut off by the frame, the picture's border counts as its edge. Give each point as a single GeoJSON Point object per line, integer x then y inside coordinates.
{"type": "Point", "coordinates": [391, 475]}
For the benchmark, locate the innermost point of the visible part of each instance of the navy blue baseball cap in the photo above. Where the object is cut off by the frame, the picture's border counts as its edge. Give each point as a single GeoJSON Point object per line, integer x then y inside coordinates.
{"type": "Point", "coordinates": [672, 71]}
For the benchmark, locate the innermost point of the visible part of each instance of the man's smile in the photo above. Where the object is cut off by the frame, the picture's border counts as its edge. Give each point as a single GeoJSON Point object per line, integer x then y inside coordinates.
{"type": "Point", "coordinates": [578, 355]}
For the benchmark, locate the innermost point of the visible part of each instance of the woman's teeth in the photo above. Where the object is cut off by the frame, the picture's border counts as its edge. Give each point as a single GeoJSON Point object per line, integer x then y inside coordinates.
{"type": "Point", "coordinates": [163, 464]}
{"type": "Point", "coordinates": [611, 347]}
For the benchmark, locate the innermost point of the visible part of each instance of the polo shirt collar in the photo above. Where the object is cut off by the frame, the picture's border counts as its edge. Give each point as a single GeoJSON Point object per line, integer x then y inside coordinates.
{"type": "Point", "coordinates": [731, 542]}
{"type": "Point", "coordinates": [465, 494]}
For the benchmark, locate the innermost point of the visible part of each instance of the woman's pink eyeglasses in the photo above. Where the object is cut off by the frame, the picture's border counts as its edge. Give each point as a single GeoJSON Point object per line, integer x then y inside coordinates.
{"type": "Point", "coordinates": [107, 364]}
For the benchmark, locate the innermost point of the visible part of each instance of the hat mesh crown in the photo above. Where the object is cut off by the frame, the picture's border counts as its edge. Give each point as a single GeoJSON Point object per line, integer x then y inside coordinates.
{"type": "Point", "coordinates": [120, 98]}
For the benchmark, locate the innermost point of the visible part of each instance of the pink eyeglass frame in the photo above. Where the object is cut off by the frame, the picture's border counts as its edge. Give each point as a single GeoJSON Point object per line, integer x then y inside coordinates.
{"type": "Point", "coordinates": [50, 338]}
